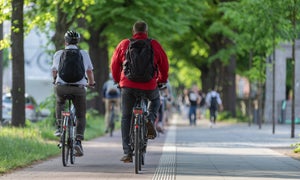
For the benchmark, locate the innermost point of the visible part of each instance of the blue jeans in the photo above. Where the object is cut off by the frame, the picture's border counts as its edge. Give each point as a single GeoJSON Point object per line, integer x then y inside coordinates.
{"type": "Point", "coordinates": [128, 97]}
{"type": "Point", "coordinates": [192, 115]}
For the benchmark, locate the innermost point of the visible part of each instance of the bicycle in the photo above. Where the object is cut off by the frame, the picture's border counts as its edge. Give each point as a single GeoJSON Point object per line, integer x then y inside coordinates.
{"type": "Point", "coordinates": [68, 133]}
{"type": "Point", "coordinates": [112, 117]}
{"type": "Point", "coordinates": [138, 132]}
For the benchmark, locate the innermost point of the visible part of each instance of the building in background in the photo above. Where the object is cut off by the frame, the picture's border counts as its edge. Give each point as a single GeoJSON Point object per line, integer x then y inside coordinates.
{"type": "Point", "coordinates": [283, 54]}
{"type": "Point", "coordinates": [38, 79]}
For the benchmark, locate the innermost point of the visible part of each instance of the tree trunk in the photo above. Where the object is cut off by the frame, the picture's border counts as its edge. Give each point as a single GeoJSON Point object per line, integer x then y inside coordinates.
{"type": "Point", "coordinates": [17, 50]}
{"type": "Point", "coordinates": [206, 81]}
{"type": "Point", "coordinates": [1, 66]}
{"type": "Point", "coordinates": [61, 27]}
{"type": "Point", "coordinates": [228, 85]}
{"type": "Point", "coordinates": [99, 55]}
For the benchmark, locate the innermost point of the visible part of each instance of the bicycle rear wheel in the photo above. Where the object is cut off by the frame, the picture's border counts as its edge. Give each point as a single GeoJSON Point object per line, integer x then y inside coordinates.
{"type": "Point", "coordinates": [137, 147]}
{"type": "Point", "coordinates": [111, 123]}
{"type": "Point", "coordinates": [65, 149]}
{"type": "Point", "coordinates": [143, 142]}
{"type": "Point", "coordinates": [71, 144]}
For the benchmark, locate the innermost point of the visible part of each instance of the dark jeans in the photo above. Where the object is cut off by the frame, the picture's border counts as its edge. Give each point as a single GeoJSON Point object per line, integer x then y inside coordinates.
{"type": "Point", "coordinates": [213, 115]}
{"type": "Point", "coordinates": [193, 115]}
{"type": "Point", "coordinates": [128, 96]}
{"type": "Point", "coordinates": [79, 103]}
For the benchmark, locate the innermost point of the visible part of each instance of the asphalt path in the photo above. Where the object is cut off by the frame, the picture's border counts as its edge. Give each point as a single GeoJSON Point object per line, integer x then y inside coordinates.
{"type": "Point", "coordinates": [225, 152]}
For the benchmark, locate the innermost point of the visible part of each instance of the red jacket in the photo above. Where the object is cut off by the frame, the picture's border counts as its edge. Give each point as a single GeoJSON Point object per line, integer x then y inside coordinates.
{"type": "Point", "coordinates": [160, 58]}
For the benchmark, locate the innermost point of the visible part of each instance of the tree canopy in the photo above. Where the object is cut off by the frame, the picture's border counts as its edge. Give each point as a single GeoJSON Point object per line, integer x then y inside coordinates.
{"type": "Point", "coordinates": [208, 42]}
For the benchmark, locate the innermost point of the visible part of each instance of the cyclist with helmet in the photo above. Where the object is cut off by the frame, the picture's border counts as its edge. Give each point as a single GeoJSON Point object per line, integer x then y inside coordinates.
{"type": "Point", "coordinates": [77, 89]}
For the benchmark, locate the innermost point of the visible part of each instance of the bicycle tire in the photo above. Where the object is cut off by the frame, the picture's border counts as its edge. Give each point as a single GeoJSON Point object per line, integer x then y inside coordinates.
{"type": "Point", "coordinates": [64, 148]}
{"type": "Point", "coordinates": [137, 146]}
{"type": "Point", "coordinates": [111, 123]}
{"type": "Point", "coordinates": [140, 148]}
{"type": "Point", "coordinates": [71, 143]}
{"type": "Point", "coordinates": [143, 143]}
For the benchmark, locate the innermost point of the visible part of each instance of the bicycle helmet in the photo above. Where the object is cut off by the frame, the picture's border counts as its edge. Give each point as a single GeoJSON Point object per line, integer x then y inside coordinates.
{"type": "Point", "coordinates": [72, 37]}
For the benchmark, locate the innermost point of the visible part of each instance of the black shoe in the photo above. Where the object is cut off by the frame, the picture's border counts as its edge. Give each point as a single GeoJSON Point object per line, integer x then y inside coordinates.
{"type": "Point", "coordinates": [151, 130]}
{"type": "Point", "coordinates": [127, 158]}
{"type": "Point", "coordinates": [78, 149]}
{"type": "Point", "coordinates": [57, 132]}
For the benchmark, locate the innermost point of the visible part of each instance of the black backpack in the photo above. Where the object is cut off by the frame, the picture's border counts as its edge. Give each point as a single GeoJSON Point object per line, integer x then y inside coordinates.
{"type": "Point", "coordinates": [202, 102]}
{"type": "Point", "coordinates": [213, 103]}
{"type": "Point", "coordinates": [139, 64]}
{"type": "Point", "coordinates": [71, 68]}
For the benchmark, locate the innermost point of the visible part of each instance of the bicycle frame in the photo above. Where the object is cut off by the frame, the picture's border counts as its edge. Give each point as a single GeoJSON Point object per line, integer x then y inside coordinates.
{"type": "Point", "coordinates": [112, 118]}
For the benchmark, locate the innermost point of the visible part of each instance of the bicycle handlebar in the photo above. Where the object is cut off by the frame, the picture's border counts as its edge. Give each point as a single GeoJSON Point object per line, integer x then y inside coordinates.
{"type": "Point", "coordinates": [77, 85]}
{"type": "Point", "coordinates": [162, 86]}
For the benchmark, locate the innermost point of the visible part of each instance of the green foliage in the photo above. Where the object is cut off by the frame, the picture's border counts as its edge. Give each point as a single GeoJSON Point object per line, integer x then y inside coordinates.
{"type": "Point", "coordinates": [296, 147]}
{"type": "Point", "coordinates": [183, 74]}
{"type": "Point", "coordinates": [44, 13]}
{"type": "Point", "coordinates": [227, 117]}
{"type": "Point", "coordinates": [5, 9]}
{"type": "Point", "coordinates": [260, 26]}
{"type": "Point", "coordinates": [115, 18]}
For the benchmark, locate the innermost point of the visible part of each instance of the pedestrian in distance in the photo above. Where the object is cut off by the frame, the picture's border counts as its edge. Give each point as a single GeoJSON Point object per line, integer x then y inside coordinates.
{"type": "Point", "coordinates": [152, 72]}
{"type": "Point", "coordinates": [166, 97]}
{"type": "Point", "coordinates": [72, 71]}
{"type": "Point", "coordinates": [194, 100]}
{"type": "Point", "coordinates": [185, 103]}
{"type": "Point", "coordinates": [202, 104]}
{"type": "Point", "coordinates": [111, 95]}
{"type": "Point", "coordinates": [214, 103]}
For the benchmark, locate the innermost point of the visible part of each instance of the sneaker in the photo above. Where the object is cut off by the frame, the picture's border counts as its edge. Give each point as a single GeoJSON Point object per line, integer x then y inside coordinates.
{"type": "Point", "coordinates": [57, 132]}
{"type": "Point", "coordinates": [127, 158]}
{"type": "Point", "coordinates": [151, 130]}
{"type": "Point", "coordinates": [78, 149]}
{"type": "Point", "coordinates": [160, 130]}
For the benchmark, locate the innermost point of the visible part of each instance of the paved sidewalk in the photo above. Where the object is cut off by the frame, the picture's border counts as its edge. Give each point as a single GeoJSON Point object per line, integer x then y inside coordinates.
{"type": "Point", "coordinates": [224, 152]}
{"type": "Point", "coordinates": [227, 152]}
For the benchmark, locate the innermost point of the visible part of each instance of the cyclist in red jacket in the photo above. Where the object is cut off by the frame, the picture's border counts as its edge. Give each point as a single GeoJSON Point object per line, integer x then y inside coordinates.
{"type": "Point", "coordinates": [130, 88]}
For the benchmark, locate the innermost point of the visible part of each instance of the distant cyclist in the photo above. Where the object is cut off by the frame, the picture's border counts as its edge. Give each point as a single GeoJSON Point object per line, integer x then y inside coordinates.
{"type": "Point", "coordinates": [156, 61]}
{"type": "Point", "coordinates": [70, 68]}
{"type": "Point", "coordinates": [111, 94]}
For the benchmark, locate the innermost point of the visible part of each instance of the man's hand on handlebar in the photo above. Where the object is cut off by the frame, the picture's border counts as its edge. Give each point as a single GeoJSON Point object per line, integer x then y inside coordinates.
{"type": "Point", "coordinates": [162, 86]}
{"type": "Point", "coordinates": [91, 85]}
{"type": "Point", "coordinates": [54, 80]}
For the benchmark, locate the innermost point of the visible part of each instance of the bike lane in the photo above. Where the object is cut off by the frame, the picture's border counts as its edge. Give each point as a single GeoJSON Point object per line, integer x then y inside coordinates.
{"type": "Point", "coordinates": [101, 160]}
